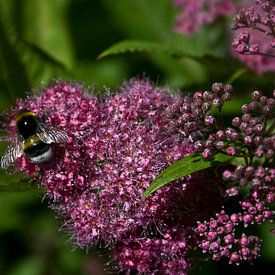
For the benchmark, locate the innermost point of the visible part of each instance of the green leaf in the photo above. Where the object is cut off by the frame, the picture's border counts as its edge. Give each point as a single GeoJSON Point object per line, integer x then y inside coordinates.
{"type": "Point", "coordinates": [132, 46]}
{"type": "Point", "coordinates": [15, 183]}
{"type": "Point", "coordinates": [13, 70]}
{"type": "Point", "coordinates": [177, 49]}
{"type": "Point", "coordinates": [48, 28]}
{"type": "Point", "coordinates": [42, 55]}
{"type": "Point", "coordinates": [39, 64]}
{"type": "Point", "coordinates": [184, 167]}
{"type": "Point", "coordinates": [37, 33]}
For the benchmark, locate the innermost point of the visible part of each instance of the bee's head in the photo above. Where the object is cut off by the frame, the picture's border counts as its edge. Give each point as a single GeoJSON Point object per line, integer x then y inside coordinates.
{"type": "Point", "coordinates": [24, 113]}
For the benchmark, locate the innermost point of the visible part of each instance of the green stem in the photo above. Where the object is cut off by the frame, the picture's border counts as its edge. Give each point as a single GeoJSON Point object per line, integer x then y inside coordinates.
{"type": "Point", "coordinates": [236, 75]}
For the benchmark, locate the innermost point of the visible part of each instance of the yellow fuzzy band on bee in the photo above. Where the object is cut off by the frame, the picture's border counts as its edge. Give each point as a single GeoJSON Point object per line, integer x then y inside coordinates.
{"type": "Point", "coordinates": [24, 114]}
{"type": "Point", "coordinates": [30, 141]}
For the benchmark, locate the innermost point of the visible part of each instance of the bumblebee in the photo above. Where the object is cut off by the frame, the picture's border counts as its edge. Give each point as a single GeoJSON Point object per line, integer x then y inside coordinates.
{"type": "Point", "coordinates": [34, 139]}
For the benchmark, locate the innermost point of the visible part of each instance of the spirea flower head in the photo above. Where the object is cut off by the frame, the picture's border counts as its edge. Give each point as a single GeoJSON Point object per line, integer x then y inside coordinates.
{"type": "Point", "coordinates": [117, 145]}
{"type": "Point", "coordinates": [195, 14]}
{"type": "Point", "coordinates": [254, 27]}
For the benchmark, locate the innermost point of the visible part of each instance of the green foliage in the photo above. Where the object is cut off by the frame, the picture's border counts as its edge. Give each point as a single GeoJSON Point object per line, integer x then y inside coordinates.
{"type": "Point", "coordinates": [184, 167]}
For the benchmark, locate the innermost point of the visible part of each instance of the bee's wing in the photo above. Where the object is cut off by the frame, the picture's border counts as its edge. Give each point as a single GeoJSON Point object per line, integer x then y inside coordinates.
{"type": "Point", "coordinates": [52, 135]}
{"type": "Point", "coordinates": [12, 152]}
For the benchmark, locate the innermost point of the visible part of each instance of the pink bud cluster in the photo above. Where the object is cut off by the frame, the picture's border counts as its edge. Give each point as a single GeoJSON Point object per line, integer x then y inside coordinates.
{"type": "Point", "coordinates": [256, 141]}
{"type": "Point", "coordinates": [252, 138]}
{"type": "Point", "coordinates": [195, 14]}
{"type": "Point", "coordinates": [218, 238]}
{"type": "Point", "coordinates": [255, 28]}
{"type": "Point", "coordinates": [250, 130]}
{"type": "Point", "coordinates": [118, 144]}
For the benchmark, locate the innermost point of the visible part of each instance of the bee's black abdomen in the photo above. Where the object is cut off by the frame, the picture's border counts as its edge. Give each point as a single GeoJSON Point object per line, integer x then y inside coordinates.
{"type": "Point", "coordinates": [39, 152]}
{"type": "Point", "coordinates": [37, 149]}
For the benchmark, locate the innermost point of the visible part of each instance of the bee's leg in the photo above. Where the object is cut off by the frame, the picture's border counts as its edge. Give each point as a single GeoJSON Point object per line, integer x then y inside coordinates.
{"type": "Point", "coordinates": [4, 138]}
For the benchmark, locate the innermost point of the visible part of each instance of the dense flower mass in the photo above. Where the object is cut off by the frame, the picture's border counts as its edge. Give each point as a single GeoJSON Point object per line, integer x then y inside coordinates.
{"type": "Point", "coordinates": [254, 26]}
{"type": "Point", "coordinates": [197, 13]}
{"type": "Point", "coordinates": [118, 144]}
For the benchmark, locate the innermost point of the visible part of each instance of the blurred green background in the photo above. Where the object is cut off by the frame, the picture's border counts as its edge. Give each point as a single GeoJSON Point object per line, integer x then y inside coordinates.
{"type": "Point", "coordinates": [42, 40]}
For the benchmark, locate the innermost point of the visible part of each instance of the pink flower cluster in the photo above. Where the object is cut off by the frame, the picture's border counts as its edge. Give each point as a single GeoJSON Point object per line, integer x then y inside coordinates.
{"type": "Point", "coordinates": [254, 26]}
{"type": "Point", "coordinates": [116, 146]}
{"type": "Point", "coordinates": [197, 13]}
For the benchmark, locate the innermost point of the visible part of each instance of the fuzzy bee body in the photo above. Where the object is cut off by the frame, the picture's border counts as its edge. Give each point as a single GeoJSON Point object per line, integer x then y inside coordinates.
{"type": "Point", "coordinates": [34, 139]}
